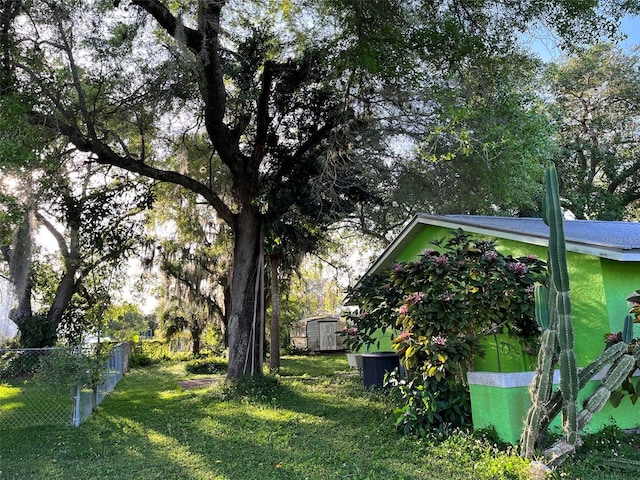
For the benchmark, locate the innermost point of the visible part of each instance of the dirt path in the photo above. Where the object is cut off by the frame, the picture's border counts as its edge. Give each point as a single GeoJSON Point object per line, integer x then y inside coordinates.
{"type": "Point", "coordinates": [200, 382]}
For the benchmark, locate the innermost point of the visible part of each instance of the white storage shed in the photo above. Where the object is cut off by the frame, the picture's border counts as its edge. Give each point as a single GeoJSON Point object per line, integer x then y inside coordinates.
{"type": "Point", "coordinates": [319, 334]}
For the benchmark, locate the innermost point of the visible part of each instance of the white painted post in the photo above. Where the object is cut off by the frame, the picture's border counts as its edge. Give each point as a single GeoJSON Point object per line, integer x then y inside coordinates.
{"type": "Point", "coordinates": [76, 409]}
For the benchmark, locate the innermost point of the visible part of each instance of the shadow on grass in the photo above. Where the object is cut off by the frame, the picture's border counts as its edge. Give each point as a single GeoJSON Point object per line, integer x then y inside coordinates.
{"type": "Point", "coordinates": [150, 428]}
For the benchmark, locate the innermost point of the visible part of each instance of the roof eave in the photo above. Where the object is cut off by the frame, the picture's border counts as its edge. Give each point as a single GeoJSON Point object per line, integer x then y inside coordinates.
{"type": "Point", "coordinates": [400, 241]}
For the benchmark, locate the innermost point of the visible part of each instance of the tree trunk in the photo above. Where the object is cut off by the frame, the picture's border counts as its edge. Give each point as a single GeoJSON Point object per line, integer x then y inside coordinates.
{"type": "Point", "coordinates": [196, 345]}
{"type": "Point", "coordinates": [244, 321]}
{"type": "Point", "coordinates": [19, 261]}
{"type": "Point", "coordinates": [23, 310]}
{"type": "Point", "coordinates": [274, 359]}
{"type": "Point", "coordinates": [71, 256]}
{"type": "Point", "coordinates": [227, 312]}
{"type": "Point", "coordinates": [66, 288]}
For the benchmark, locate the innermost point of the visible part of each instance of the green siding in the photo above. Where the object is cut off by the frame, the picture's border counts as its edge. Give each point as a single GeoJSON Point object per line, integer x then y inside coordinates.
{"type": "Point", "coordinates": [591, 309]}
{"type": "Point", "coordinates": [421, 242]}
{"type": "Point", "coordinates": [384, 340]}
{"type": "Point", "coordinates": [588, 306]}
{"type": "Point", "coordinates": [620, 279]}
{"type": "Point", "coordinates": [505, 410]}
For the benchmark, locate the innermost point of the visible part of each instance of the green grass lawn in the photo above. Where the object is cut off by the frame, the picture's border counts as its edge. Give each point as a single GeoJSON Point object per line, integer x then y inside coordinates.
{"type": "Point", "coordinates": [23, 403]}
{"type": "Point", "coordinates": [312, 424]}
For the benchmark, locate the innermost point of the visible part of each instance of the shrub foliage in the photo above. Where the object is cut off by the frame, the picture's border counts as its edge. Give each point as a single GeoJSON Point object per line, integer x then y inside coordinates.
{"type": "Point", "coordinates": [441, 305]}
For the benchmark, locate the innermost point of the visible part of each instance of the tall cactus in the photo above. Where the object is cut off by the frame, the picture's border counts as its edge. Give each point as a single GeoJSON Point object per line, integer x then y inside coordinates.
{"type": "Point", "coordinates": [627, 329]}
{"type": "Point", "coordinates": [553, 311]}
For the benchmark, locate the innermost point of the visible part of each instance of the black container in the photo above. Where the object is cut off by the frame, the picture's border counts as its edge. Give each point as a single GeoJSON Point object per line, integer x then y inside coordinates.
{"type": "Point", "coordinates": [376, 365]}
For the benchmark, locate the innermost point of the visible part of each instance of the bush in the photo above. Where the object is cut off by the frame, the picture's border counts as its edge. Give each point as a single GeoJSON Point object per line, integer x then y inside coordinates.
{"type": "Point", "coordinates": [295, 351]}
{"type": "Point", "coordinates": [443, 303]}
{"type": "Point", "coordinates": [37, 332]}
{"type": "Point", "coordinates": [429, 405]}
{"type": "Point", "coordinates": [65, 367]}
{"type": "Point", "coordinates": [141, 360]}
{"type": "Point", "coordinates": [207, 365]}
{"type": "Point", "coordinates": [256, 389]}
{"type": "Point", "coordinates": [20, 364]}
{"type": "Point", "coordinates": [149, 352]}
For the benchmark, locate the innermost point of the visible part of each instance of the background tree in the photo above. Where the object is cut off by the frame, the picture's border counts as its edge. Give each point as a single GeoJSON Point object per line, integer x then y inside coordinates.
{"type": "Point", "coordinates": [18, 145]}
{"type": "Point", "coordinates": [486, 144]}
{"type": "Point", "coordinates": [595, 106]}
{"type": "Point", "coordinates": [179, 316]}
{"type": "Point", "coordinates": [124, 321]}
{"type": "Point", "coordinates": [98, 216]}
{"type": "Point", "coordinates": [291, 99]}
{"type": "Point", "coordinates": [191, 249]}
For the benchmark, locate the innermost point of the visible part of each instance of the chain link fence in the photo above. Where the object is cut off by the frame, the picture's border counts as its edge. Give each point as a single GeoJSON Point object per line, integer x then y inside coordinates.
{"type": "Point", "coordinates": [57, 386]}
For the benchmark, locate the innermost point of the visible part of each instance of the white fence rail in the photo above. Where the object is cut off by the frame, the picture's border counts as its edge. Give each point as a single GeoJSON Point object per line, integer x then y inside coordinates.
{"type": "Point", "coordinates": [56, 386]}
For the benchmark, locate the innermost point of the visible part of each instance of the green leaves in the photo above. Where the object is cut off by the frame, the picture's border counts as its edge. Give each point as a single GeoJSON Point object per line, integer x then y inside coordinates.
{"type": "Point", "coordinates": [594, 106]}
{"type": "Point", "coordinates": [447, 299]}
{"type": "Point", "coordinates": [430, 406]}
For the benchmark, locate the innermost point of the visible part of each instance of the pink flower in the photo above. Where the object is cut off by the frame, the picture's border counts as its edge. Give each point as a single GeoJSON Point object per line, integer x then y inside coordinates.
{"type": "Point", "coordinates": [353, 331]}
{"type": "Point", "coordinates": [403, 336]}
{"type": "Point", "coordinates": [398, 267]}
{"type": "Point", "coordinates": [613, 337]}
{"type": "Point", "coordinates": [531, 257]}
{"type": "Point", "coordinates": [518, 268]}
{"type": "Point", "coordinates": [438, 340]}
{"type": "Point", "coordinates": [442, 260]}
{"type": "Point", "coordinates": [491, 255]}
{"type": "Point", "coordinates": [428, 252]}
{"type": "Point", "coordinates": [403, 310]}
{"type": "Point", "coordinates": [417, 297]}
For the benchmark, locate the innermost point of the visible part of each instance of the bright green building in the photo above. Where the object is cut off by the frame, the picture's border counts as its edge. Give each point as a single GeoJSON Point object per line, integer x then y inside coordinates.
{"type": "Point", "coordinates": [604, 267]}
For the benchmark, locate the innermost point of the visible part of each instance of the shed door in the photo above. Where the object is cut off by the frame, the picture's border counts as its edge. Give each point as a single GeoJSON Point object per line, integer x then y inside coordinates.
{"type": "Point", "coordinates": [328, 336]}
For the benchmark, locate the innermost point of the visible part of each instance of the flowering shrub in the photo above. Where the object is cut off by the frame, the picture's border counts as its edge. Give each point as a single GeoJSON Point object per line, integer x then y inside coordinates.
{"type": "Point", "coordinates": [444, 303]}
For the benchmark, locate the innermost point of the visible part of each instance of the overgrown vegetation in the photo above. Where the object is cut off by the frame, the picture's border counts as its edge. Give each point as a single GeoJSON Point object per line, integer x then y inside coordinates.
{"type": "Point", "coordinates": [442, 305]}
{"type": "Point", "coordinates": [150, 352]}
{"type": "Point", "coordinates": [207, 365]}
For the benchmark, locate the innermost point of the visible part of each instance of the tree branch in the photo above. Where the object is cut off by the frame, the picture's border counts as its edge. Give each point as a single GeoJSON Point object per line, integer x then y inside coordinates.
{"type": "Point", "coordinates": [106, 156]}
{"type": "Point", "coordinates": [155, 8]}
{"type": "Point", "coordinates": [262, 116]}
{"type": "Point", "coordinates": [62, 244]}
{"type": "Point", "coordinates": [204, 42]}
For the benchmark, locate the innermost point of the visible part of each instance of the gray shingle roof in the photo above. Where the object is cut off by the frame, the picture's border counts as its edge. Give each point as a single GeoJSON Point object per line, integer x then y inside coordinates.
{"type": "Point", "coordinates": [616, 235]}
{"type": "Point", "coordinates": [606, 239]}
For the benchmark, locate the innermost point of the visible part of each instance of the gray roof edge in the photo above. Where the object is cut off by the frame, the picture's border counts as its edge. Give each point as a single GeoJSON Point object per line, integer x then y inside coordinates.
{"type": "Point", "coordinates": [535, 238]}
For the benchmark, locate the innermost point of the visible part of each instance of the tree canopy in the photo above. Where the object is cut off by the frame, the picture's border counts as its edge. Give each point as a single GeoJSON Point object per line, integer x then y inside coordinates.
{"type": "Point", "coordinates": [298, 104]}
{"type": "Point", "coordinates": [595, 106]}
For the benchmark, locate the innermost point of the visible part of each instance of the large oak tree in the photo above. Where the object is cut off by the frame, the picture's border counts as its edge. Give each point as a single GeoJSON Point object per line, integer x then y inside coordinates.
{"type": "Point", "coordinates": [297, 100]}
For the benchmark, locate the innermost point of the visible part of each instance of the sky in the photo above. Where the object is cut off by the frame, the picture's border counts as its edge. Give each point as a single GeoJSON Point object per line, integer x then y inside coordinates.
{"type": "Point", "coordinates": [630, 26]}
